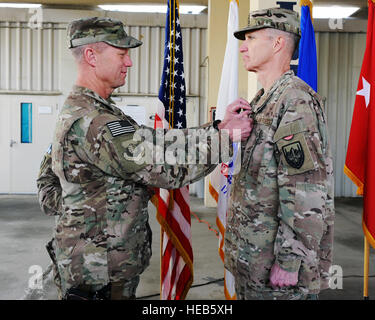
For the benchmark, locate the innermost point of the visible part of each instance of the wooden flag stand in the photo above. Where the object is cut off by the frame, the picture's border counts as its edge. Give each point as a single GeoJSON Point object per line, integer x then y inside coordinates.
{"type": "Point", "coordinates": [366, 269]}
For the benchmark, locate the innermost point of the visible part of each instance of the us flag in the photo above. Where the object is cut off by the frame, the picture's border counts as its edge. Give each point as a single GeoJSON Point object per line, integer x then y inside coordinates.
{"type": "Point", "coordinates": [172, 87]}
{"type": "Point", "coordinates": [173, 211]}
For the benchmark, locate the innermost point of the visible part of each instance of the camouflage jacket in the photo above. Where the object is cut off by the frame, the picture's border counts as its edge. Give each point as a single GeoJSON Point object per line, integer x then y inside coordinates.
{"type": "Point", "coordinates": [103, 233]}
{"type": "Point", "coordinates": [49, 188]}
{"type": "Point", "coordinates": [281, 208]}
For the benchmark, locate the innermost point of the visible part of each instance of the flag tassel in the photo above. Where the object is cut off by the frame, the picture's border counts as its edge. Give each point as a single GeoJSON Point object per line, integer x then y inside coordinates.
{"type": "Point", "coordinates": [366, 269]}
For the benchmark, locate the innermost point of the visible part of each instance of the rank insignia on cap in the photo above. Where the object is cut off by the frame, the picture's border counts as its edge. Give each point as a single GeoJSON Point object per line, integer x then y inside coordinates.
{"type": "Point", "coordinates": [118, 128]}
{"type": "Point", "coordinates": [294, 154]}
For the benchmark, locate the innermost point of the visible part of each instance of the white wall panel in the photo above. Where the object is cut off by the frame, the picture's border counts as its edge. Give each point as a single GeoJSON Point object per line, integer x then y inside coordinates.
{"type": "Point", "coordinates": [340, 58]}
{"type": "Point", "coordinates": [144, 77]}
{"type": "Point", "coordinates": [29, 57]}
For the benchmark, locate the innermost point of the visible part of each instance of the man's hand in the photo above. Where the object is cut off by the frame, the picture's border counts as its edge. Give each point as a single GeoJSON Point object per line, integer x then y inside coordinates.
{"type": "Point", "coordinates": [239, 125]}
{"type": "Point", "coordinates": [281, 278]}
{"type": "Point", "coordinates": [235, 107]}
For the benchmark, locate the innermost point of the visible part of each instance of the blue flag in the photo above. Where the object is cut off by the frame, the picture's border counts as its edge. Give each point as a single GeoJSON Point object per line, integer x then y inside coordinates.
{"type": "Point", "coordinates": [307, 66]}
{"type": "Point", "coordinates": [172, 88]}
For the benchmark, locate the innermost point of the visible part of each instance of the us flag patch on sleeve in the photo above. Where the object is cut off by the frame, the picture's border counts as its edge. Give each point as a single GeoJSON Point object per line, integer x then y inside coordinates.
{"type": "Point", "coordinates": [118, 128]}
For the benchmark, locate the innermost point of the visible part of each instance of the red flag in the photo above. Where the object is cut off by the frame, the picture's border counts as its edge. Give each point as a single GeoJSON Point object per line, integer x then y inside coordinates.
{"type": "Point", "coordinates": [360, 157]}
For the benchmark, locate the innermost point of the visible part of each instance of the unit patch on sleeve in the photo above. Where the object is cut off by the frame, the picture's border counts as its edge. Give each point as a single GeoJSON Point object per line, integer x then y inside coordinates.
{"type": "Point", "coordinates": [294, 154]}
{"type": "Point", "coordinates": [118, 128]}
{"type": "Point", "coordinates": [291, 141]}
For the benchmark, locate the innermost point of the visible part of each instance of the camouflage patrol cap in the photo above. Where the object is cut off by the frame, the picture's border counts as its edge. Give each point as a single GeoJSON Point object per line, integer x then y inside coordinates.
{"type": "Point", "coordinates": [91, 30]}
{"type": "Point", "coordinates": [276, 18]}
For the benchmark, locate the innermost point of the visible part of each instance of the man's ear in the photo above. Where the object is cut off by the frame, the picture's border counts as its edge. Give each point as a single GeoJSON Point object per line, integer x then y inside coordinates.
{"type": "Point", "coordinates": [279, 43]}
{"type": "Point", "coordinates": [90, 56]}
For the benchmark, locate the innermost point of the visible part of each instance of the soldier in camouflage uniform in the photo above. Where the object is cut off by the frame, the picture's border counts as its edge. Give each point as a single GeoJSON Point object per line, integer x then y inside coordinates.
{"type": "Point", "coordinates": [94, 179]}
{"type": "Point", "coordinates": [49, 188]}
{"type": "Point", "coordinates": [278, 241]}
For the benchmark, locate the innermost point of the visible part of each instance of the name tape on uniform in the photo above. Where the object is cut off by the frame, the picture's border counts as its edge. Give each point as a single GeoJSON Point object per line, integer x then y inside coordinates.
{"type": "Point", "coordinates": [118, 128]}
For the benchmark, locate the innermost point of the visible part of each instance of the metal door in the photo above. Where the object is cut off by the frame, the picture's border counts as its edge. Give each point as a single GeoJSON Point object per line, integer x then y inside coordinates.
{"type": "Point", "coordinates": [31, 124]}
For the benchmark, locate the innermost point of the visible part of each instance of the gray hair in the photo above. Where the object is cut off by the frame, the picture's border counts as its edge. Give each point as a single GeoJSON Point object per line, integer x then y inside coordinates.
{"type": "Point", "coordinates": [291, 39]}
{"type": "Point", "coordinates": [77, 52]}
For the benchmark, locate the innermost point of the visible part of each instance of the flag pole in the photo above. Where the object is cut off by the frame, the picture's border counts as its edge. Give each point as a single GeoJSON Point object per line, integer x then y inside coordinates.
{"type": "Point", "coordinates": [366, 269]}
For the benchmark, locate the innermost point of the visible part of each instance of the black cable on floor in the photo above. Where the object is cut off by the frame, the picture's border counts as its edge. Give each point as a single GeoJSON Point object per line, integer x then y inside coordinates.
{"type": "Point", "coordinates": [193, 286]}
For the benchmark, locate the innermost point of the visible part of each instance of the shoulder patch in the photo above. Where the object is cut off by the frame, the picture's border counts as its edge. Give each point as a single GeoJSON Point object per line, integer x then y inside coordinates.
{"type": "Point", "coordinates": [293, 145]}
{"type": "Point", "coordinates": [294, 154]}
{"type": "Point", "coordinates": [120, 127]}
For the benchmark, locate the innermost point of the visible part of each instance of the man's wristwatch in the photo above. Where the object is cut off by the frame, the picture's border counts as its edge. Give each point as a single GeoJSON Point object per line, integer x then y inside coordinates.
{"type": "Point", "coordinates": [215, 124]}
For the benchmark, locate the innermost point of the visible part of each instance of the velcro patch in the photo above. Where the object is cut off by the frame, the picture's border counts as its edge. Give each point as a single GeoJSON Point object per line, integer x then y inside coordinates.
{"type": "Point", "coordinates": [288, 138]}
{"type": "Point", "coordinates": [118, 128]}
{"type": "Point", "coordinates": [263, 120]}
{"type": "Point", "coordinates": [294, 154]}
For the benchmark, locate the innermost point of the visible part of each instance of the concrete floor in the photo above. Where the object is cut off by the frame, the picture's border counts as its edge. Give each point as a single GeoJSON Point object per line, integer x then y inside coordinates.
{"type": "Point", "coordinates": [24, 231]}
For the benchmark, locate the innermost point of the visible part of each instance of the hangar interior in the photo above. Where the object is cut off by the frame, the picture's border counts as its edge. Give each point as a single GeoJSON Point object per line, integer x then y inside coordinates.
{"type": "Point", "coordinates": [37, 73]}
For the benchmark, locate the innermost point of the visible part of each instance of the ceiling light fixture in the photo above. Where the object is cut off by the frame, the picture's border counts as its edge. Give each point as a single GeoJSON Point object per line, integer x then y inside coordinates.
{"type": "Point", "coordinates": [333, 12]}
{"type": "Point", "coordinates": [20, 5]}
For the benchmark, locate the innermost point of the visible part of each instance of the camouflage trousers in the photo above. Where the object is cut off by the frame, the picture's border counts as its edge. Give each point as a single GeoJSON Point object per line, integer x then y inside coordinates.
{"type": "Point", "coordinates": [245, 292]}
{"type": "Point", "coordinates": [124, 290]}
{"type": "Point", "coordinates": [51, 249]}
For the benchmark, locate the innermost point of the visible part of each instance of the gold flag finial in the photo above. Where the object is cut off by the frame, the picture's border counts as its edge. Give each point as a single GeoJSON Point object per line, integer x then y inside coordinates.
{"type": "Point", "coordinates": [310, 5]}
